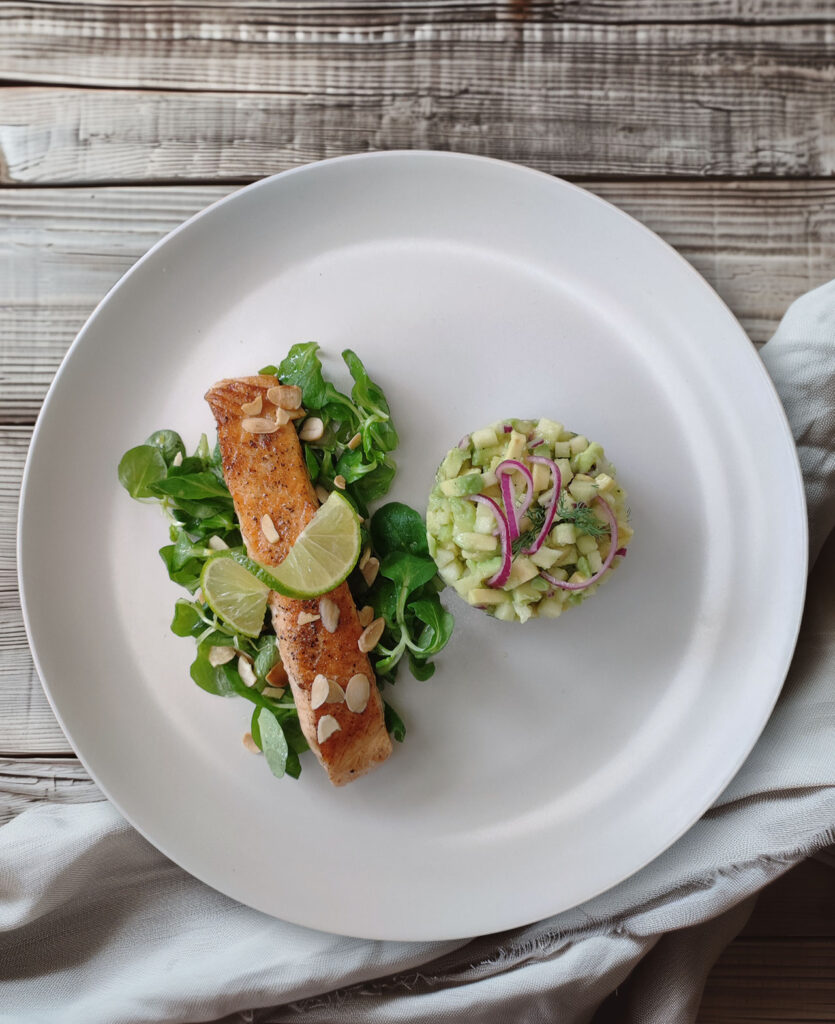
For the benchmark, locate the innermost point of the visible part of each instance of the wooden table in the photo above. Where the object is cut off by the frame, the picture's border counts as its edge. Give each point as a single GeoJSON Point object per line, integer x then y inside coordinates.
{"type": "Point", "coordinates": [712, 121]}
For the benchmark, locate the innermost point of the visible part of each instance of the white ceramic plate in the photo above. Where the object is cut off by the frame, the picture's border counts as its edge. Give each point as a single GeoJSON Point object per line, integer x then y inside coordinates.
{"type": "Point", "coordinates": [545, 762]}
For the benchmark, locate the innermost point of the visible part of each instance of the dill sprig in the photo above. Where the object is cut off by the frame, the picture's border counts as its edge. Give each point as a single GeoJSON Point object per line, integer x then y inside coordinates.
{"type": "Point", "coordinates": [583, 518]}
{"type": "Point", "coordinates": [536, 514]}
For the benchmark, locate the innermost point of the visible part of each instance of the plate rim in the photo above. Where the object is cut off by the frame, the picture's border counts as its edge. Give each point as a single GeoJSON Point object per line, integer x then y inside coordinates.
{"type": "Point", "coordinates": [754, 361]}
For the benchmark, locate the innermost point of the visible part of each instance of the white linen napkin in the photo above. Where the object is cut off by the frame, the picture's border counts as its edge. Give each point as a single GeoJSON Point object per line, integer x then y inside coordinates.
{"type": "Point", "coordinates": [98, 926]}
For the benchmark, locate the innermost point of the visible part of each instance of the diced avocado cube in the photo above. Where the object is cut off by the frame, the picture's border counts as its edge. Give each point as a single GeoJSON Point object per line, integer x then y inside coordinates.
{"type": "Point", "coordinates": [484, 456]}
{"type": "Point", "coordinates": [545, 557]}
{"type": "Point", "coordinates": [566, 472]}
{"type": "Point", "coordinates": [583, 462]}
{"type": "Point", "coordinates": [541, 477]}
{"type": "Point", "coordinates": [485, 438]}
{"type": "Point", "coordinates": [463, 513]}
{"type": "Point", "coordinates": [462, 485]}
{"type": "Point", "coordinates": [444, 534]}
{"type": "Point", "coordinates": [564, 533]}
{"type": "Point", "coordinates": [515, 445]}
{"type": "Point", "coordinates": [487, 595]}
{"type": "Point", "coordinates": [549, 430]}
{"type": "Point", "coordinates": [550, 608]}
{"type": "Point", "coordinates": [586, 544]}
{"type": "Point", "coordinates": [583, 566]}
{"type": "Point", "coordinates": [452, 464]}
{"type": "Point", "coordinates": [476, 541]}
{"type": "Point", "coordinates": [522, 570]}
{"type": "Point", "coordinates": [578, 444]}
{"type": "Point", "coordinates": [527, 592]}
{"type": "Point", "coordinates": [524, 611]}
{"type": "Point", "coordinates": [451, 572]}
{"type": "Point", "coordinates": [582, 488]}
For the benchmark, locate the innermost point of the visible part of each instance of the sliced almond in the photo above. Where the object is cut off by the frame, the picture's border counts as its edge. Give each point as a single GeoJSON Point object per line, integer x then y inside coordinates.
{"type": "Point", "coordinates": [357, 693]}
{"type": "Point", "coordinates": [370, 570]}
{"type": "Point", "coordinates": [283, 417]}
{"type": "Point", "coordinates": [259, 425]}
{"type": "Point", "coordinates": [340, 482]}
{"type": "Point", "coordinates": [329, 610]}
{"type": "Point", "coordinates": [177, 460]}
{"type": "Point", "coordinates": [274, 691]}
{"type": "Point", "coordinates": [246, 671]}
{"type": "Point", "coordinates": [220, 655]}
{"type": "Point", "coordinates": [320, 691]}
{"type": "Point", "coordinates": [254, 407]}
{"type": "Point", "coordinates": [268, 529]}
{"type": "Point", "coordinates": [217, 543]}
{"type": "Point", "coordinates": [306, 617]}
{"type": "Point", "coordinates": [370, 636]}
{"type": "Point", "coordinates": [355, 441]}
{"type": "Point", "coordinates": [327, 726]}
{"type": "Point", "coordinates": [366, 554]}
{"type": "Point", "coordinates": [365, 615]}
{"type": "Point", "coordinates": [250, 743]}
{"type": "Point", "coordinates": [321, 494]}
{"type": "Point", "coordinates": [312, 429]}
{"type": "Point", "coordinates": [285, 396]}
{"type": "Point", "coordinates": [277, 676]}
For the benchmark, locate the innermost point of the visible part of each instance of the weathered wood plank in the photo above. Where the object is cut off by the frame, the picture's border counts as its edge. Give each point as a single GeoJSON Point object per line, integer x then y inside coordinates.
{"type": "Point", "coordinates": [800, 904]}
{"type": "Point", "coordinates": [27, 724]}
{"type": "Point", "coordinates": [760, 245]}
{"type": "Point", "coordinates": [25, 782]}
{"type": "Point", "coordinates": [654, 99]}
{"type": "Point", "coordinates": [758, 980]}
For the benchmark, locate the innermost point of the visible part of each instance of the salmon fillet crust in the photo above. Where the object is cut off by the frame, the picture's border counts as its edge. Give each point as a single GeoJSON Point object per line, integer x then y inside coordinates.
{"type": "Point", "coordinates": [266, 474]}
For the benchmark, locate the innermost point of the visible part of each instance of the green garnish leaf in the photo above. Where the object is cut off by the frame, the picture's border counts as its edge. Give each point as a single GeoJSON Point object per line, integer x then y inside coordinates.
{"type": "Point", "coordinates": [168, 442]}
{"type": "Point", "coordinates": [407, 572]}
{"type": "Point", "coordinates": [213, 678]}
{"type": "Point", "coordinates": [397, 527]}
{"type": "Point", "coordinates": [394, 723]}
{"type": "Point", "coordinates": [192, 487]}
{"type": "Point", "coordinates": [140, 469]}
{"type": "Point", "coordinates": [273, 742]}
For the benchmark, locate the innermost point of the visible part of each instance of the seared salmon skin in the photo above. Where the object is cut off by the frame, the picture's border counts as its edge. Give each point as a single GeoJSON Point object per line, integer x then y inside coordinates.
{"type": "Point", "coordinates": [266, 475]}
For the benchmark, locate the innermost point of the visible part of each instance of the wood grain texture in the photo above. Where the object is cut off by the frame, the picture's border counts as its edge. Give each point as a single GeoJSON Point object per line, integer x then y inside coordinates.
{"type": "Point", "coordinates": [27, 724]}
{"type": "Point", "coordinates": [760, 245]}
{"type": "Point", "coordinates": [578, 99]}
{"type": "Point", "coordinates": [25, 782]}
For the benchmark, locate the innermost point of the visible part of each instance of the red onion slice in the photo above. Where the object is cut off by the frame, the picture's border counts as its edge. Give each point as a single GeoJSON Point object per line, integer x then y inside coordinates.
{"type": "Point", "coordinates": [500, 578]}
{"type": "Point", "coordinates": [552, 505]}
{"type": "Point", "coordinates": [613, 548]}
{"type": "Point", "coordinates": [513, 514]}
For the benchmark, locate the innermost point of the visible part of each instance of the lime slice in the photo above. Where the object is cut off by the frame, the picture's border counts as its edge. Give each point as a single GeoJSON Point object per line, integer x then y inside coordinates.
{"type": "Point", "coordinates": [324, 554]}
{"type": "Point", "coordinates": [235, 595]}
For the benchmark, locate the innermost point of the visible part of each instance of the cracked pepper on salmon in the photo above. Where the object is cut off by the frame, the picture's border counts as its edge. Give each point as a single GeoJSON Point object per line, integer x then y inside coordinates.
{"type": "Point", "coordinates": [266, 476]}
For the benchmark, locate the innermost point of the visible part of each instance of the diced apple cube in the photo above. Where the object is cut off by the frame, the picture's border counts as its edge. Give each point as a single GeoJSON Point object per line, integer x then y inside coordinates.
{"type": "Point", "coordinates": [487, 595]}
{"type": "Point", "coordinates": [515, 445]}
{"type": "Point", "coordinates": [476, 541]}
{"type": "Point", "coordinates": [586, 544]}
{"type": "Point", "coordinates": [485, 438]}
{"type": "Point", "coordinates": [523, 569]}
{"type": "Point", "coordinates": [578, 444]}
{"type": "Point", "coordinates": [595, 561]}
{"type": "Point", "coordinates": [564, 533]}
{"type": "Point", "coordinates": [545, 557]}
{"type": "Point", "coordinates": [541, 476]}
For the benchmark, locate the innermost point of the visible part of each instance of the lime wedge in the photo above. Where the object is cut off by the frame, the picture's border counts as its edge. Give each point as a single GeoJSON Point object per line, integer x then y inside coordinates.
{"type": "Point", "coordinates": [324, 554]}
{"type": "Point", "coordinates": [234, 595]}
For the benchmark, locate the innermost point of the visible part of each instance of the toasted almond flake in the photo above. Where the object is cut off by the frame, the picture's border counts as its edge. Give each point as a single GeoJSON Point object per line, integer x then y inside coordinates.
{"type": "Point", "coordinates": [297, 414]}
{"type": "Point", "coordinates": [259, 425]}
{"type": "Point", "coordinates": [277, 676]}
{"type": "Point", "coordinates": [274, 691]}
{"type": "Point", "coordinates": [285, 396]}
{"type": "Point", "coordinates": [250, 743]}
{"type": "Point", "coordinates": [320, 691]}
{"type": "Point", "coordinates": [357, 693]}
{"type": "Point", "coordinates": [217, 544]}
{"type": "Point", "coordinates": [336, 695]}
{"type": "Point", "coordinates": [370, 636]}
{"type": "Point", "coordinates": [220, 655]}
{"type": "Point", "coordinates": [370, 570]}
{"type": "Point", "coordinates": [327, 726]}
{"type": "Point", "coordinates": [340, 482]}
{"type": "Point", "coordinates": [268, 529]}
{"type": "Point", "coordinates": [329, 610]}
{"type": "Point", "coordinates": [254, 407]}
{"type": "Point", "coordinates": [321, 494]}
{"type": "Point", "coordinates": [198, 597]}
{"type": "Point", "coordinates": [177, 460]}
{"type": "Point", "coordinates": [355, 441]}
{"type": "Point", "coordinates": [365, 615]}
{"type": "Point", "coordinates": [246, 672]}
{"type": "Point", "coordinates": [306, 617]}
{"type": "Point", "coordinates": [312, 429]}
{"type": "Point", "coordinates": [283, 417]}
{"type": "Point", "coordinates": [366, 554]}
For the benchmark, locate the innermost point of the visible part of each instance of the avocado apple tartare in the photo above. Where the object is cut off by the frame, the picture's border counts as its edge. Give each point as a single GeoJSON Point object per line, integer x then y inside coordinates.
{"type": "Point", "coordinates": [526, 519]}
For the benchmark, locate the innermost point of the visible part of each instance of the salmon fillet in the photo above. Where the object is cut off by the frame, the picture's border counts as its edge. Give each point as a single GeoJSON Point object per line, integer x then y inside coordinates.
{"type": "Point", "coordinates": [266, 474]}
